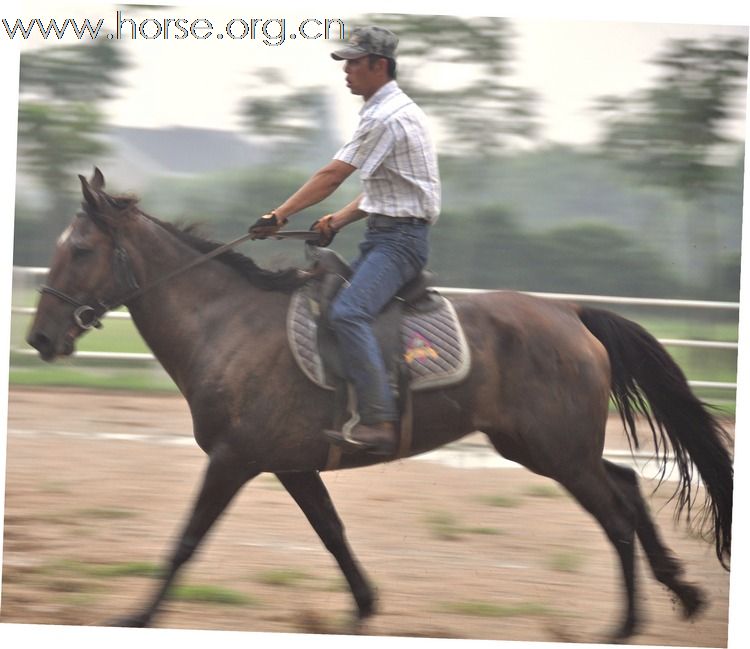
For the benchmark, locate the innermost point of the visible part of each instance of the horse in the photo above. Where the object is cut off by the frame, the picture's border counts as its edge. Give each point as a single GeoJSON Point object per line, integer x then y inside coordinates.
{"type": "Point", "coordinates": [539, 388]}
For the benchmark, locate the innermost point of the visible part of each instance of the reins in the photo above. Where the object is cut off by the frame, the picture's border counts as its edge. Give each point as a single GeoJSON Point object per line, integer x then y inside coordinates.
{"type": "Point", "coordinates": [137, 292]}
{"type": "Point", "coordinates": [93, 315]}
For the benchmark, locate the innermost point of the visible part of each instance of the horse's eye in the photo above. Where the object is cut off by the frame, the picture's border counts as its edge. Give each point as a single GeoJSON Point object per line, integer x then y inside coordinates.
{"type": "Point", "coordinates": [79, 252]}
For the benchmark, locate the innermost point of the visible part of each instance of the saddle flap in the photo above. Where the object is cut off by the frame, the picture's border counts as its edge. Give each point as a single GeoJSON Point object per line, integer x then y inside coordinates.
{"type": "Point", "coordinates": [431, 345]}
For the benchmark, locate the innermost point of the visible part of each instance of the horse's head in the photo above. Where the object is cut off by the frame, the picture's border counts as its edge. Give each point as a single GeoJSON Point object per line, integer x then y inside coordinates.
{"type": "Point", "coordinates": [86, 274]}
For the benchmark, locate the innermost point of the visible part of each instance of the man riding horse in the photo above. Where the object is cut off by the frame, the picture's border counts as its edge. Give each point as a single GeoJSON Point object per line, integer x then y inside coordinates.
{"type": "Point", "coordinates": [400, 199]}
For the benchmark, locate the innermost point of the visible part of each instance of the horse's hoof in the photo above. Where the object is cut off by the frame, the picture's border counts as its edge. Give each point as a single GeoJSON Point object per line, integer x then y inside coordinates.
{"type": "Point", "coordinates": [356, 626]}
{"type": "Point", "coordinates": [693, 601]}
{"type": "Point", "coordinates": [623, 634]}
{"type": "Point", "coordinates": [367, 603]}
{"type": "Point", "coordinates": [366, 607]}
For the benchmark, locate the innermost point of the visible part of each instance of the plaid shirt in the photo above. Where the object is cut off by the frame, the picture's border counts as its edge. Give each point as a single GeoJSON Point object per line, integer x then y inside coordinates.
{"type": "Point", "coordinates": [395, 155]}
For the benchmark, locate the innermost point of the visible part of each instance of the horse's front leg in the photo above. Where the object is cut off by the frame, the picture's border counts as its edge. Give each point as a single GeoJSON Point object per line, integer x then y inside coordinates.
{"type": "Point", "coordinates": [221, 482]}
{"type": "Point", "coordinates": [311, 495]}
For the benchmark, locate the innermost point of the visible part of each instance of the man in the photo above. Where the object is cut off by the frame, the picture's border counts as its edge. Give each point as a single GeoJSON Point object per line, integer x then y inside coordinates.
{"type": "Point", "coordinates": [400, 199]}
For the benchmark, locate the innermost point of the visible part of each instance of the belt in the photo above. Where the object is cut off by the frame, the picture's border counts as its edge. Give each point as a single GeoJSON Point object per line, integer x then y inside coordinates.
{"type": "Point", "coordinates": [383, 220]}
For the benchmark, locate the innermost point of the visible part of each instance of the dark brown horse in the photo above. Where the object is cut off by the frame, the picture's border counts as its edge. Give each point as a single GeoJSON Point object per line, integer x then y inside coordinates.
{"type": "Point", "coordinates": [539, 389]}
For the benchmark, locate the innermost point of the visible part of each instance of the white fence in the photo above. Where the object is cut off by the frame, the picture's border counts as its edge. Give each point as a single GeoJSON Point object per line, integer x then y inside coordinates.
{"type": "Point", "coordinates": [31, 278]}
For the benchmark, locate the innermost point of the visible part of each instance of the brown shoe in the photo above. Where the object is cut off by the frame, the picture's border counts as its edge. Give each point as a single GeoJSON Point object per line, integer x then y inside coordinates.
{"type": "Point", "coordinates": [378, 439]}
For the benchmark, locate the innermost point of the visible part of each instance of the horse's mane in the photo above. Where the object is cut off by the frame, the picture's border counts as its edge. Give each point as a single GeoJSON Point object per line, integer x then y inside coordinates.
{"type": "Point", "coordinates": [285, 280]}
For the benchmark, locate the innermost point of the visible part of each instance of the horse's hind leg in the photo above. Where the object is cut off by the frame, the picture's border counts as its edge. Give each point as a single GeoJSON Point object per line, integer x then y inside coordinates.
{"type": "Point", "coordinates": [221, 482]}
{"type": "Point", "coordinates": [311, 495]}
{"type": "Point", "coordinates": [603, 500]}
{"type": "Point", "coordinates": [665, 566]}
{"type": "Point", "coordinates": [598, 494]}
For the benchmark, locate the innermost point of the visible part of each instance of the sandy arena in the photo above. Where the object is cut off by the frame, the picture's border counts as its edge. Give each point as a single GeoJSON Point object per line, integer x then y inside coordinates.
{"type": "Point", "coordinates": [98, 485]}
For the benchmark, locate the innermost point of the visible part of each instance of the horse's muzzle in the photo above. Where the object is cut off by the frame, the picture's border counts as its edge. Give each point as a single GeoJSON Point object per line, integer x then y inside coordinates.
{"type": "Point", "coordinates": [46, 347]}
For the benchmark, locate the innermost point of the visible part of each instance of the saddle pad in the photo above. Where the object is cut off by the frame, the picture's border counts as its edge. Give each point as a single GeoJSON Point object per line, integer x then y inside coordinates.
{"type": "Point", "coordinates": [434, 347]}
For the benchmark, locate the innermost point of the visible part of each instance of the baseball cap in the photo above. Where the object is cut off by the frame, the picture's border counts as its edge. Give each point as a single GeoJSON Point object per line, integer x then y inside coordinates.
{"type": "Point", "coordinates": [368, 40]}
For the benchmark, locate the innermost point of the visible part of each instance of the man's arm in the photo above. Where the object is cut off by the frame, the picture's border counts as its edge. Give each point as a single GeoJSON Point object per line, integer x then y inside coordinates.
{"type": "Point", "coordinates": [328, 225]}
{"type": "Point", "coordinates": [320, 186]}
{"type": "Point", "coordinates": [347, 214]}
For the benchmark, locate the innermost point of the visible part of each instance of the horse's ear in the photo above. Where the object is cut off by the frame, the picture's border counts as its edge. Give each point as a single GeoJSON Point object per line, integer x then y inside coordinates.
{"type": "Point", "coordinates": [91, 194]}
{"type": "Point", "coordinates": [97, 180]}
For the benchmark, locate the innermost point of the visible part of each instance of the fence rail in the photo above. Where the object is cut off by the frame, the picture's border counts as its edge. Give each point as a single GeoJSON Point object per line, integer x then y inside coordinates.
{"type": "Point", "coordinates": [592, 299]}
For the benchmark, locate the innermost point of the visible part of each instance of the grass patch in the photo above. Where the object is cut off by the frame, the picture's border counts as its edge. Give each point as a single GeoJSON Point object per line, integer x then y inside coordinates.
{"type": "Point", "coordinates": [444, 526]}
{"type": "Point", "coordinates": [208, 594]}
{"type": "Point", "coordinates": [287, 577]}
{"type": "Point", "coordinates": [565, 562]}
{"type": "Point", "coordinates": [67, 577]}
{"type": "Point", "coordinates": [543, 491]}
{"type": "Point", "coordinates": [116, 335]}
{"type": "Point", "coordinates": [337, 585]}
{"type": "Point", "coordinates": [54, 487]}
{"type": "Point", "coordinates": [80, 568]}
{"type": "Point", "coordinates": [92, 378]}
{"type": "Point", "coordinates": [127, 569]}
{"type": "Point", "coordinates": [487, 531]}
{"type": "Point", "coordinates": [447, 527]}
{"type": "Point", "coordinates": [487, 609]}
{"type": "Point", "coordinates": [77, 600]}
{"type": "Point", "coordinates": [501, 501]}
{"type": "Point", "coordinates": [107, 513]}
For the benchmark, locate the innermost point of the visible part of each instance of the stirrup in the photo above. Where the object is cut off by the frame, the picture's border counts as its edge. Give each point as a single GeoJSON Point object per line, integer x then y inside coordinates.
{"type": "Point", "coordinates": [343, 438]}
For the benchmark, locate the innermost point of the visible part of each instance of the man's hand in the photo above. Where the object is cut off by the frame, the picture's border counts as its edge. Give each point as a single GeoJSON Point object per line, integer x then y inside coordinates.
{"type": "Point", "coordinates": [324, 227]}
{"type": "Point", "coordinates": [267, 225]}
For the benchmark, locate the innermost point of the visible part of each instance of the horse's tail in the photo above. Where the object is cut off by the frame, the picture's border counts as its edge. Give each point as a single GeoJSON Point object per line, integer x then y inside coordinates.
{"type": "Point", "coordinates": [646, 380]}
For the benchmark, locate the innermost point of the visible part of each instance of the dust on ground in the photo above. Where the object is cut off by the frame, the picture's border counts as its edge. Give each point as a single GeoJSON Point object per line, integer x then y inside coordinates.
{"type": "Point", "coordinates": [454, 553]}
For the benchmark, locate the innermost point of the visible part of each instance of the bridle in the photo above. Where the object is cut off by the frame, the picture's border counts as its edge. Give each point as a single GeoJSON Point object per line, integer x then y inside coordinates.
{"type": "Point", "coordinates": [88, 317]}
{"type": "Point", "coordinates": [93, 319]}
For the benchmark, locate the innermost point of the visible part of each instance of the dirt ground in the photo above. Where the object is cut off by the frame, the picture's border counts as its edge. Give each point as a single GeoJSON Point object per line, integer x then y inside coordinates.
{"type": "Point", "coordinates": [98, 485]}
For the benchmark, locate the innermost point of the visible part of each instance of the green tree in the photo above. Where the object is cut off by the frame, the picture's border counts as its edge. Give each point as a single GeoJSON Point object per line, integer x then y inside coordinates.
{"type": "Point", "coordinates": [599, 258]}
{"type": "Point", "coordinates": [457, 69]}
{"type": "Point", "coordinates": [60, 116]}
{"type": "Point", "coordinates": [299, 121]}
{"type": "Point", "coordinates": [288, 115]}
{"type": "Point", "coordinates": [674, 134]}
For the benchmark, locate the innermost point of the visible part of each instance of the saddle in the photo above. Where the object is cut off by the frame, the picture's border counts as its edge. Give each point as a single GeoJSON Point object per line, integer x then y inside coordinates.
{"type": "Point", "coordinates": [419, 334]}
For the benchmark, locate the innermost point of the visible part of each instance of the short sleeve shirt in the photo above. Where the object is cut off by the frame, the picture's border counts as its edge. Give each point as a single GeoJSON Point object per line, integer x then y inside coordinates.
{"type": "Point", "coordinates": [396, 158]}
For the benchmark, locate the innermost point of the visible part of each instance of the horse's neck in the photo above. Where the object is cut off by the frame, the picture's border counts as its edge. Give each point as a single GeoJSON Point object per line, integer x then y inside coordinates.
{"type": "Point", "coordinates": [175, 317]}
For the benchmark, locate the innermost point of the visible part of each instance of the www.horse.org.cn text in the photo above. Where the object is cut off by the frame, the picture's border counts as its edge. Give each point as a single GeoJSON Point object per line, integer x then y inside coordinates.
{"type": "Point", "coordinates": [269, 31]}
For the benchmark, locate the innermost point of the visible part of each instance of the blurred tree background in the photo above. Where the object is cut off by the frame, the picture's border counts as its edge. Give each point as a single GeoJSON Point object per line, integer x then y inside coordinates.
{"type": "Point", "coordinates": [672, 135]}
{"type": "Point", "coordinates": [651, 209]}
{"type": "Point", "coordinates": [60, 123]}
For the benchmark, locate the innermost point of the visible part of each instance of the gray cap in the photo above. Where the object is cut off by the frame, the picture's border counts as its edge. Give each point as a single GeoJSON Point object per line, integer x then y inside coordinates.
{"type": "Point", "coordinates": [368, 40]}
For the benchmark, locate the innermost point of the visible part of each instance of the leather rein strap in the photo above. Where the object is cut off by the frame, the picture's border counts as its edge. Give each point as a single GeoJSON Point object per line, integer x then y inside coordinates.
{"type": "Point", "coordinates": [89, 317]}
{"type": "Point", "coordinates": [307, 235]}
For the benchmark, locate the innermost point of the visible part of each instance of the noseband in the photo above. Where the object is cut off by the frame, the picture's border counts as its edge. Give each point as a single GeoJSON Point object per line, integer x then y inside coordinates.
{"type": "Point", "coordinates": [85, 316]}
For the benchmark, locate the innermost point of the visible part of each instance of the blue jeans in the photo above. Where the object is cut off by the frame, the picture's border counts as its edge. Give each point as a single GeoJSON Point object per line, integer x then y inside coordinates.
{"type": "Point", "coordinates": [389, 258]}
